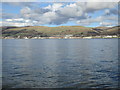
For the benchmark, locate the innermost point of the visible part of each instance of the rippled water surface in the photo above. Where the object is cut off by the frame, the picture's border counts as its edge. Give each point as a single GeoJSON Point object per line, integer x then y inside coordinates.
{"type": "Point", "coordinates": [57, 63]}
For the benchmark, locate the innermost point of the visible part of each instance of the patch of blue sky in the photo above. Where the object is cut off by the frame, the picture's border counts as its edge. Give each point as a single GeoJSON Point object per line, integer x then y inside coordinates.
{"type": "Point", "coordinates": [9, 8]}
{"type": "Point", "coordinates": [96, 13]}
{"type": "Point", "coordinates": [44, 4]}
{"type": "Point", "coordinates": [95, 24]}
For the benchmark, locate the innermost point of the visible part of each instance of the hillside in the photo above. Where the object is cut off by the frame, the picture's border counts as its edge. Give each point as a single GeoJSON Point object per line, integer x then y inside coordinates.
{"type": "Point", "coordinates": [44, 31]}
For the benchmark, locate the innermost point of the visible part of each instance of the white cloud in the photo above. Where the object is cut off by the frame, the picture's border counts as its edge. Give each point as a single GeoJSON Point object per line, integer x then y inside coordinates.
{"type": "Point", "coordinates": [54, 7]}
{"type": "Point", "coordinates": [9, 20]}
{"type": "Point", "coordinates": [68, 12]}
{"type": "Point", "coordinates": [59, 13]}
{"type": "Point", "coordinates": [18, 19]}
{"type": "Point", "coordinates": [26, 10]}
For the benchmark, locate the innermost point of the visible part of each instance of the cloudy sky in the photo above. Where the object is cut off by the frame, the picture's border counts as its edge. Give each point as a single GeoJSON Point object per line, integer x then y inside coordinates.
{"type": "Point", "coordinates": [90, 14]}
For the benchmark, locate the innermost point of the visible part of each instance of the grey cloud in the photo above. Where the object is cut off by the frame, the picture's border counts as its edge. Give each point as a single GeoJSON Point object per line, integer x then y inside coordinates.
{"type": "Point", "coordinates": [114, 11]}
{"type": "Point", "coordinates": [41, 10]}
{"type": "Point", "coordinates": [111, 12]}
{"type": "Point", "coordinates": [61, 20]}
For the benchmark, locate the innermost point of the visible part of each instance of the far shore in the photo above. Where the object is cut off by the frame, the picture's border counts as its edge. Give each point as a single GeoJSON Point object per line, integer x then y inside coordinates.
{"type": "Point", "coordinates": [85, 37]}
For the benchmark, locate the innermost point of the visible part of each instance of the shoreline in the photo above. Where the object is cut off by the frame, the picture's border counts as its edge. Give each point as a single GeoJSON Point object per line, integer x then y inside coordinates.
{"type": "Point", "coordinates": [89, 37]}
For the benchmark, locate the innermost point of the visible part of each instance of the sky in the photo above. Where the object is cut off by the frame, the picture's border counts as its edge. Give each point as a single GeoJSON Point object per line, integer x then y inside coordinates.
{"type": "Point", "coordinates": [89, 14]}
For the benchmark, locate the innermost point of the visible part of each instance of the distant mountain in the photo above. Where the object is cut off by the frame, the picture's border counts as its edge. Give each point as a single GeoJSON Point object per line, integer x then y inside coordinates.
{"type": "Point", "coordinates": [44, 31]}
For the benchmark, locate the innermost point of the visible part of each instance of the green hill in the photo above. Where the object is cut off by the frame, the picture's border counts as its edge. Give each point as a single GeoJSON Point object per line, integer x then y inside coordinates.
{"type": "Point", "coordinates": [44, 31]}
